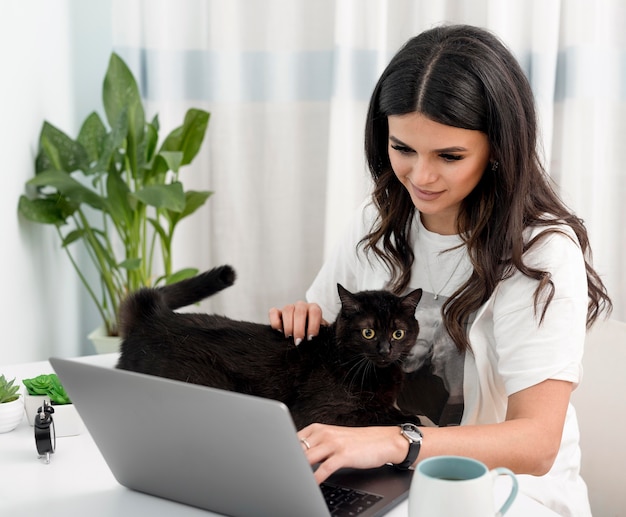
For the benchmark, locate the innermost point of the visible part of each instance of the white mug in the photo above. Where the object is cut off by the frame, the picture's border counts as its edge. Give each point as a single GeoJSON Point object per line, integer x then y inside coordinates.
{"type": "Point", "coordinates": [445, 486]}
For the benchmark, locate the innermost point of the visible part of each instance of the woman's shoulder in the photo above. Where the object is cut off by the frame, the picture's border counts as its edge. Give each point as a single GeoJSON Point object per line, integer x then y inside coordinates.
{"type": "Point", "coordinates": [550, 224]}
{"type": "Point", "coordinates": [553, 249]}
{"type": "Point", "coordinates": [550, 238]}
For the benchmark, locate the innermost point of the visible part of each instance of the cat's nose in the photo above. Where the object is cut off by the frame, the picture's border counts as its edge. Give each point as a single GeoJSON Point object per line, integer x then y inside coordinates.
{"type": "Point", "coordinates": [384, 349]}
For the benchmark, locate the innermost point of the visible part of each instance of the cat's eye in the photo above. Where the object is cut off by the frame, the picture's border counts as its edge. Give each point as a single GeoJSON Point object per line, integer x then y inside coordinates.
{"type": "Point", "coordinates": [368, 333]}
{"type": "Point", "coordinates": [398, 334]}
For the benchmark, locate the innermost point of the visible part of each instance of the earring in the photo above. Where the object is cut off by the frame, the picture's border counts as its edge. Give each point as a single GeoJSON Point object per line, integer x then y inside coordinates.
{"type": "Point", "coordinates": [494, 165]}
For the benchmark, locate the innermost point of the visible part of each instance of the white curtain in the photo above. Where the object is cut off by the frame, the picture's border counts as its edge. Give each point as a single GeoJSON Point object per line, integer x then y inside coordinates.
{"type": "Point", "coordinates": [287, 83]}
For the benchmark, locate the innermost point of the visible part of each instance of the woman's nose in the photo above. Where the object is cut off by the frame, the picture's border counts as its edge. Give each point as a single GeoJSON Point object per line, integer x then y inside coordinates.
{"type": "Point", "coordinates": [421, 173]}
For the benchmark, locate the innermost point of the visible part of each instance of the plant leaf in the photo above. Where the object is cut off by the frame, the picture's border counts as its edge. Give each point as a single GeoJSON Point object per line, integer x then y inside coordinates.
{"type": "Point", "coordinates": [152, 138]}
{"type": "Point", "coordinates": [169, 196]}
{"type": "Point", "coordinates": [92, 136]}
{"type": "Point", "coordinates": [173, 159]}
{"type": "Point", "coordinates": [113, 142]}
{"type": "Point", "coordinates": [58, 151]}
{"type": "Point", "coordinates": [8, 390]}
{"type": "Point", "coordinates": [69, 188]}
{"type": "Point", "coordinates": [43, 211]}
{"type": "Point", "coordinates": [57, 392]}
{"type": "Point", "coordinates": [73, 236]}
{"type": "Point", "coordinates": [194, 199]}
{"type": "Point", "coordinates": [188, 137]}
{"type": "Point", "coordinates": [118, 195]}
{"type": "Point", "coordinates": [181, 274]}
{"type": "Point", "coordinates": [120, 93]}
{"type": "Point", "coordinates": [130, 264]}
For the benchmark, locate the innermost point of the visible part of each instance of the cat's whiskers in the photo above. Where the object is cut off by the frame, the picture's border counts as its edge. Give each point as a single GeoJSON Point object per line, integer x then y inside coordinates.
{"type": "Point", "coordinates": [361, 368]}
{"type": "Point", "coordinates": [351, 374]}
{"type": "Point", "coordinates": [366, 373]}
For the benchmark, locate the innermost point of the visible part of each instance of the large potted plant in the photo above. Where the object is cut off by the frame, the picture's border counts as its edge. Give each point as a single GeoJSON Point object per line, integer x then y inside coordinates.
{"type": "Point", "coordinates": [118, 192]}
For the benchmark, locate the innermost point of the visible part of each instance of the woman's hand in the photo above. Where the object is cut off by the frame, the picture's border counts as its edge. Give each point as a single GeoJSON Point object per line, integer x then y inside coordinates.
{"type": "Point", "coordinates": [297, 320]}
{"type": "Point", "coordinates": [335, 447]}
{"type": "Point", "coordinates": [535, 416]}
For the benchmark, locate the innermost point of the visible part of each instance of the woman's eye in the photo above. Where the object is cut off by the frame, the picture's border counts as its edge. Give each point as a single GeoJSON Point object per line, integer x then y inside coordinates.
{"type": "Point", "coordinates": [397, 334]}
{"type": "Point", "coordinates": [368, 333]}
{"type": "Point", "coordinates": [402, 149]}
{"type": "Point", "coordinates": [451, 157]}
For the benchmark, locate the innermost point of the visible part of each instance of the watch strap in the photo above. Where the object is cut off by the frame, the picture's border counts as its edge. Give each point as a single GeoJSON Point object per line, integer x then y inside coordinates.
{"type": "Point", "coordinates": [414, 450]}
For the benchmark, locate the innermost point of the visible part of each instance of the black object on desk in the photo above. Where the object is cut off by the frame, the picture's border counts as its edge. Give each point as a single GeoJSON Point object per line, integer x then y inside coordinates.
{"type": "Point", "coordinates": [45, 436]}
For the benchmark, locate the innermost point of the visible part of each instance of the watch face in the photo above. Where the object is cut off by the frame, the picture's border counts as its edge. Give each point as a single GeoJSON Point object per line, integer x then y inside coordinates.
{"type": "Point", "coordinates": [412, 432]}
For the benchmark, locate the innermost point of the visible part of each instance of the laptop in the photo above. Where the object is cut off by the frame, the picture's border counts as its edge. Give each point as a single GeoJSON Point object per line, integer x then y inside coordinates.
{"type": "Point", "coordinates": [222, 451]}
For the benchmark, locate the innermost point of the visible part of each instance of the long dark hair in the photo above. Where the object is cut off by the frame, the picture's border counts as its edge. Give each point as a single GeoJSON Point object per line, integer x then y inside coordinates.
{"type": "Point", "coordinates": [465, 77]}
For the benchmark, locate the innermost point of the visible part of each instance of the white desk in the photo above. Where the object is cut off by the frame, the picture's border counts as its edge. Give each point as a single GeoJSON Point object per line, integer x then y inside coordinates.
{"type": "Point", "coordinates": [78, 481]}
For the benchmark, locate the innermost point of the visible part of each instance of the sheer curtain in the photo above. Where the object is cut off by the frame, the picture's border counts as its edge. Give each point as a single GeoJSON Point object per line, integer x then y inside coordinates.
{"type": "Point", "coordinates": [287, 83]}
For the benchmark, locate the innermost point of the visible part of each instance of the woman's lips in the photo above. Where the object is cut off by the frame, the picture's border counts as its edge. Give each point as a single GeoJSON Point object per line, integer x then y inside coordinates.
{"type": "Point", "coordinates": [426, 195]}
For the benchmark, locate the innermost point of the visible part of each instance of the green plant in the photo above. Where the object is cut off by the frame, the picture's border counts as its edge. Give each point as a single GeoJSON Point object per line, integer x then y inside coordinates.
{"type": "Point", "coordinates": [48, 385]}
{"type": "Point", "coordinates": [116, 191]}
{"type": "Point", "coordinates": [8, 391]}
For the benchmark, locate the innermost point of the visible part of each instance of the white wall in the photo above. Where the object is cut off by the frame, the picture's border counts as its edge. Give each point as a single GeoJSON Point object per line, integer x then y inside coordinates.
{"type": "Point", "coordinates": [53, 56]}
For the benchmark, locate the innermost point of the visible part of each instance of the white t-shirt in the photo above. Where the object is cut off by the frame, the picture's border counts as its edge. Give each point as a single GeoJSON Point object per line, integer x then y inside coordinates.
{"type": "Point", "coordinates": [510, 350]}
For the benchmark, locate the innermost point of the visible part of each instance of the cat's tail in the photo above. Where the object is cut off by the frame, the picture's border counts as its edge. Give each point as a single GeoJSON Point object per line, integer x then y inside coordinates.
{"type": "Point", "coordinates": [197, 288]}
{"type": "Point", "coordinates": [148, 302]}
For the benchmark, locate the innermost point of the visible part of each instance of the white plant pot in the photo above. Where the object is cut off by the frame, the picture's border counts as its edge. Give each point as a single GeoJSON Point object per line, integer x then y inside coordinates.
{"type": "Point", "coordinates": [11, 414]}
{"type": "Point", "coordinates": [67, 421]}
{"type": "Point", "coordinates": [103, 343]}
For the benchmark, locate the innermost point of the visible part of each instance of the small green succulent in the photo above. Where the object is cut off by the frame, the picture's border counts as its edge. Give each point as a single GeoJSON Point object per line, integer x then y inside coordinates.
{"type": "Point", "coordinates": [48, 385]}
{"type": "Point", "coordinates": [8, 391]}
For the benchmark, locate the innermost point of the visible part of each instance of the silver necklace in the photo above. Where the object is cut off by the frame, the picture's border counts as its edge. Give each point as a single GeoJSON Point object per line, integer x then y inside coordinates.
{"type": "Point", "coordinates": [430, 281]}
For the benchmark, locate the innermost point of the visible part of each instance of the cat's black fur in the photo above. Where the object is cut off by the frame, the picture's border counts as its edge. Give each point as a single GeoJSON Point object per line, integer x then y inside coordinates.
{"type": "Point", "coordinates": [338, 377]}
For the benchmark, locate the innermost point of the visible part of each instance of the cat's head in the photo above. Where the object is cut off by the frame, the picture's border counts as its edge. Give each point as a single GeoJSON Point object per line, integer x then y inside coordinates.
{"type": "Point", "coordinates": [377, 325]}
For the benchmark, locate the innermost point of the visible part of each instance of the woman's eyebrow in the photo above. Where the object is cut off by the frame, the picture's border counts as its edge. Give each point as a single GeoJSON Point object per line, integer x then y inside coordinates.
{"type": "Point", "coordinates": [397, 141]}
{"type": "Point", "coordinates": [452, 149]}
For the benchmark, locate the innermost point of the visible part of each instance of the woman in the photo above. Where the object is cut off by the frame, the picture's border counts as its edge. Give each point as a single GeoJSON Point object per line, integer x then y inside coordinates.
{"type": "Point", "coordinates": [462, 208]}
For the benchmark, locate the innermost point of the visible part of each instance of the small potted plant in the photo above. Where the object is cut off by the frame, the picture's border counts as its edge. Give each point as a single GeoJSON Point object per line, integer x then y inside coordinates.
{"type": "Point", "coordinates": [118, 192]}
{"type": "Point", "coordinates": [48, 387]}
{"type": "Point", "coordinates": [11, 405]}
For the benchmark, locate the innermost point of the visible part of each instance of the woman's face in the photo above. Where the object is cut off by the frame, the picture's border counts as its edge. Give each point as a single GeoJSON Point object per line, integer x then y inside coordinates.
{"type": "Point", "coordinates": [439, 165]}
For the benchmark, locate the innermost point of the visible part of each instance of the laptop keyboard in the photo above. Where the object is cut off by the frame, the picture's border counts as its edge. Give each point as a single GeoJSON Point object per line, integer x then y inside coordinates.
{"type": "Point", "coordinates": [347, 502]}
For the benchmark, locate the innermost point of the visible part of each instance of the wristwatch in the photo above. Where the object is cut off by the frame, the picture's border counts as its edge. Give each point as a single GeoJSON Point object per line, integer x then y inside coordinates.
{"type": "Point", "coordinates": [414, 436]}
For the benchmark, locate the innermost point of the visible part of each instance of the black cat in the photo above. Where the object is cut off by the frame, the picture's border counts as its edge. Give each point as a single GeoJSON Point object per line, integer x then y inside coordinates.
{"type": "Point", "coordinates": [350, 374]}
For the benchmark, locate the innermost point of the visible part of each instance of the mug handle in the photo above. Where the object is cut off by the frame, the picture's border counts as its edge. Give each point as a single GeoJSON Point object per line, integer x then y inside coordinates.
{"type": "Point", "coordinates": [501, 471]}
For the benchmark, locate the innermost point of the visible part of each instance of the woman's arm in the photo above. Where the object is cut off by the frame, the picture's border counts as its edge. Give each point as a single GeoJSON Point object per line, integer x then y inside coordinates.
{"type": "Point", "coordinates": [527, 442]}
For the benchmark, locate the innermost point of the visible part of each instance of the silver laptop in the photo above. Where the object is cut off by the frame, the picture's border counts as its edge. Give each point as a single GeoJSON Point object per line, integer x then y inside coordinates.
{"type": "Point", "coordinates": [226, 452]}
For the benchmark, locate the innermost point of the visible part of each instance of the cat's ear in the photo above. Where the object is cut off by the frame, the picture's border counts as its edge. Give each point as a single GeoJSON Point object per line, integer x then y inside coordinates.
{"type": "Point", "coordinates": [411, 300]}
{"type": "Point", "coordinates": [348, 300]}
